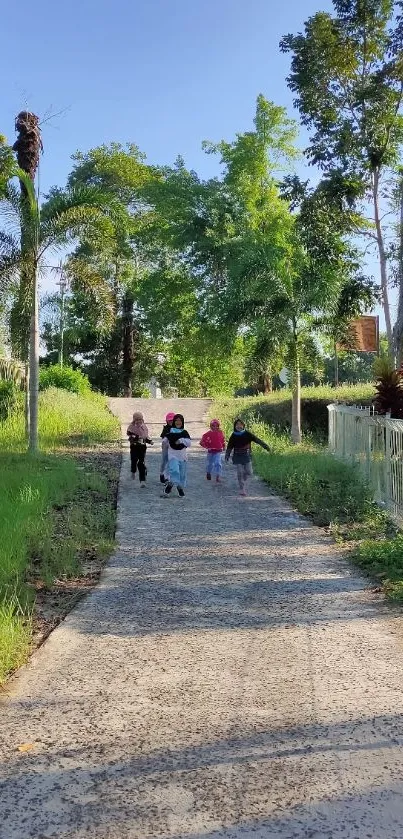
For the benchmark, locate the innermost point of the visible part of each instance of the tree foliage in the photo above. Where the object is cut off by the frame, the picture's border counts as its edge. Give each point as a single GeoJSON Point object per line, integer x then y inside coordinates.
{"type": "Point", "coordinates": [346, 72]}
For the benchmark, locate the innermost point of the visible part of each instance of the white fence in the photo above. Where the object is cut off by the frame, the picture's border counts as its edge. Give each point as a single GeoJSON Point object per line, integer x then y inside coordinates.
{"type": "Point", "coordinates": [375, 445]}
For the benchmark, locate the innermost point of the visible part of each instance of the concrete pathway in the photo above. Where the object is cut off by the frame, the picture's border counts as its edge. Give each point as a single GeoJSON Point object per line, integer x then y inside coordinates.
{"type": "Point", "coordinates": [230, 677]}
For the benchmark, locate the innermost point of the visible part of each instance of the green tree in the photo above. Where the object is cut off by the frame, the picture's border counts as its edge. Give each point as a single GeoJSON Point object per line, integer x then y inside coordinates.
{"type": "Point", "coordinates": [107, 267]}
{"type": "Point", "coordinates": [346, 72]}
{"type": "Point", "coordinates": [286, 260]}
{"type": "Point", "coordinates": [265, 354]}
{"type": "Point", "coordinates": [7, 165]}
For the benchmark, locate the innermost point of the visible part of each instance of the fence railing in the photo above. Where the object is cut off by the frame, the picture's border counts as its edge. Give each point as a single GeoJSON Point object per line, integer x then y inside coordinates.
{"type": "Point", "coordinates": [375, 445]}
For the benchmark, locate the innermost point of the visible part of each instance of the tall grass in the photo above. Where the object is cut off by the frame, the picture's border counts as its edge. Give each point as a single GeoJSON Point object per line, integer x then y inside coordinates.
{"type": "Point", "coordinates": [275, 409]}
{"type": "Point", "coordinates": [41, 530]}
{"type": "Point", "coordinates": [332, 493]}
{"type": "Point", "coordinates": [344, 393]}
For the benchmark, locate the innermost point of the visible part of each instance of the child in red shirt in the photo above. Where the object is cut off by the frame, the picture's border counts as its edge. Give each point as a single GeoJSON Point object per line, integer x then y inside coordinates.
{"type": "Point", "coordinates": [214, 441]}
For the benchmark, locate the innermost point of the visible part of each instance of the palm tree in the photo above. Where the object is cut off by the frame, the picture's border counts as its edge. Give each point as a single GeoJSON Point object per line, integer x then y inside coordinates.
{"type": "Point", "coordinates": [28, 147]}
{"type": "Point", "coordinates": [22, 255]}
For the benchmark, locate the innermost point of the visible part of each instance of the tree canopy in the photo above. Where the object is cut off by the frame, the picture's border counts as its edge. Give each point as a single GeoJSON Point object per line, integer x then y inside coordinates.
{"type": "Point", "coordinates": [213, 285]}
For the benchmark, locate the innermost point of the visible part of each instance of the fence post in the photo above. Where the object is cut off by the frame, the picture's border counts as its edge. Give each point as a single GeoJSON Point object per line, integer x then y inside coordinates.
{"type": "Point", "coordinates": [368, 444]}
{"type": "Point", "coordinates": [388, 470]}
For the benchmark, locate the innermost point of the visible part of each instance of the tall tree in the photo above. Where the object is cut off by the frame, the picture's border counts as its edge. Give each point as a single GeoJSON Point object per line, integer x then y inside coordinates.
{"type": "Point", "coordinates": [24, 316]}
{"type": "Point", "coordinates": [285, 254]}
{"type": "Point", "coordinates": [346, 71]}
{"type": "Point", "coordinates": [120, 172]}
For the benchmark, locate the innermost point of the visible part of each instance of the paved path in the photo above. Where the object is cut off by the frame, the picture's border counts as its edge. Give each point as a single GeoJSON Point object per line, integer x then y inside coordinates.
{"type": "Point", "coordinates": [230, 677]}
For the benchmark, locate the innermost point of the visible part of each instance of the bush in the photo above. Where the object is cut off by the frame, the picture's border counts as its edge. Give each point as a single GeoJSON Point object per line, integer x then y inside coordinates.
{"type": "Point", "coordinates": [65, 378]}
{"type": "Point", "coordinates": [8, 398]}
{"type": "Point", "coordinates": [389, 389]}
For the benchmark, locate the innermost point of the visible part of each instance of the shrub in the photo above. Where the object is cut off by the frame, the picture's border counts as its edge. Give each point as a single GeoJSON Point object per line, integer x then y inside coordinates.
{"type": "Point", "coordinates": [389, 389]}
{"type": "Point", "coordinates": [65, 378]}
{"type": "Point", "coordinates": [8, 398]}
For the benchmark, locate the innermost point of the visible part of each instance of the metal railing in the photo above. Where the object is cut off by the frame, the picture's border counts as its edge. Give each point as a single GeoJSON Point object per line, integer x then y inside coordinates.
{"type": "Point", "coordinates": [375, 445]}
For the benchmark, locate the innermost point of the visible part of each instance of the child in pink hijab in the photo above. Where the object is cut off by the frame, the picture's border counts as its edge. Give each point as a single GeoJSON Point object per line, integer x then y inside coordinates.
{"type": "Point", "coordinates": [137, 433]}
{"type": "Point", "coordinates": [164, 478]}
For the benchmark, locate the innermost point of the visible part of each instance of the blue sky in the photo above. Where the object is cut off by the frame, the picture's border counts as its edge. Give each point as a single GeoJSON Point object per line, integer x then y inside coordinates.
{"type": "Point", "coordinates": [164, 74]}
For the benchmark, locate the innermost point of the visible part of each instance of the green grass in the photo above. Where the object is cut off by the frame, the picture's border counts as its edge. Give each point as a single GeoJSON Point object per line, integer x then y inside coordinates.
{"type": "Point", "coordinates": [345, 393]}
{"type": "Point", "coordinates": [54, 508]}
{"type": "Point", "coordinates": [15, 635]}
{"type": "Point", "coordinates": [331, 493]}
{"type": "Point", "coordinates": [275, 409]}
{"type": "Point", "coordinates": [328, 491]}
{"type": "Point", "coordinates": [382, 559]}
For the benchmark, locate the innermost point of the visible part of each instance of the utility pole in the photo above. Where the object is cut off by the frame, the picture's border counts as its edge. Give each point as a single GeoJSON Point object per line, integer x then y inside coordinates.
{"type": "Point", "coordinates": [63, 285]}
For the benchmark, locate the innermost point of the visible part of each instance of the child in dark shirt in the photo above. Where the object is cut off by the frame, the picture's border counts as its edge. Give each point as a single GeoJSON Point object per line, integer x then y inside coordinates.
{"type": "Point", "coordinates": [178, 444]}
{"type": "Point", "coordinates": [239, 446]}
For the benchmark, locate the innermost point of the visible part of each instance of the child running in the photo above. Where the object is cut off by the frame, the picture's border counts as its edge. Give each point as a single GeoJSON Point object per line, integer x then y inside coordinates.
{"type": "Point", "coordinates": [137, 433]}
{"type": "Point", "coordinates": [214, 441]}
{"type": "Point", "coordinates": [239, 445]}
{"type": "Point", "coordinates": [178, 444]}
{"type": "Point", "coordinates": [164, 446]}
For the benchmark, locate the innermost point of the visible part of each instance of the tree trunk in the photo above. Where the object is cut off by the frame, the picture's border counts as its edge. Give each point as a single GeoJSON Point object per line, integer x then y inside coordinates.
{"type": "Point", "coordinates": [34, 371]}
{"type": "Point", "coordinates": [296, 434]}
{"type": "Point", "coordinates": [127, 342]}
{"type": "Point", "coordinates": [336, 365]}
{"type": "Point", "coordinates": [26, 407]}
{"type": "Point", "coordinates": [265, 384]}
{"type": "Point", "coordinates": [398, 329]}
{"type": "Point", "coordinates": [382, 262]}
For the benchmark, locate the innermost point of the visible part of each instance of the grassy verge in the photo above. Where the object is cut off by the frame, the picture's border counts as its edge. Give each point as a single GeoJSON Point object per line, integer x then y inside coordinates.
{"type": "Point", "coordinates": [328, 491]}
{"type": "Point", "coordinates": [275, 409]}
{"type": "Point", "coordinates": [57, 516]}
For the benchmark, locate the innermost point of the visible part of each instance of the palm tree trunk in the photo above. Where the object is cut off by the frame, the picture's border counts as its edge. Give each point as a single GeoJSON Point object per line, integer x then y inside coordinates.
{"type": "Point", "coordinates": [27, 409]}
{"type": "Point", "coordinates": [296, 433]}
{"type": "Point", "coordinates": [24, 321]}
{"type": "Point", "coordinates": [34, 370]}
{"type": "Point", "coordinates": [28, 147]}
{"type": "Point", "coordinates": [265, 384]}
{"type": "Point", "coordinates": [382, 262]}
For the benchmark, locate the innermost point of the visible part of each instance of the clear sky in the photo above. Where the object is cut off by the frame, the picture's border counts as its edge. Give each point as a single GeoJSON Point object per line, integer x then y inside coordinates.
{"type": "Point", "coordinates": [164, 74]}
